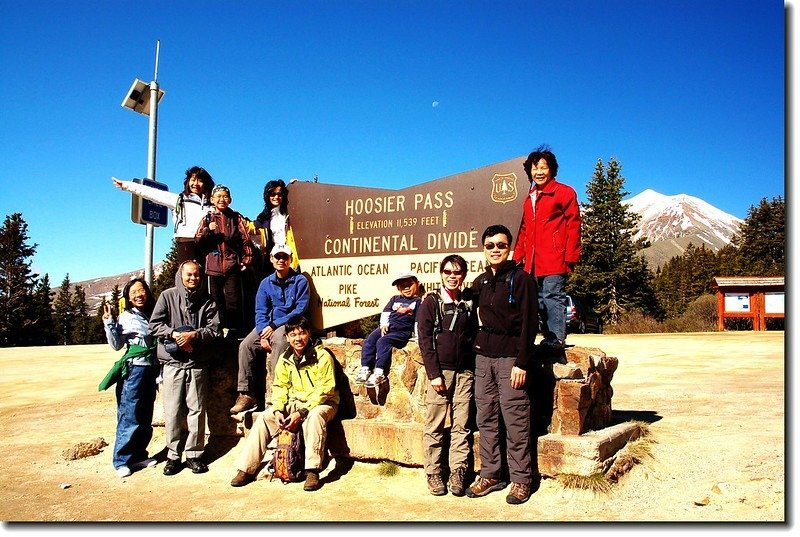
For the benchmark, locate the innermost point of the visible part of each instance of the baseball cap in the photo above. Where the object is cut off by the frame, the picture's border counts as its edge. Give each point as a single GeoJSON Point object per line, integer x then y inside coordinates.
{"type": "Point", "coordinates": [220, 188]}
{"type": "Point", "coordinates": [281, 249]}
{"type": "Point", "coordinates": [404, 275]}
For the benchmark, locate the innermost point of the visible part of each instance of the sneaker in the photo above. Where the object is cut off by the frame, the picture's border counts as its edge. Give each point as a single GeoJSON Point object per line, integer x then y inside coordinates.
{"type": "Point", "coordinates": [456, 481]}
{"type": "Point", "coordinates": [436, 485]}
{"type": "Point", "coordinates": [552, 344]}
{"type": "Point", "coordinates": [519, 493]}
{"type": "Point", "coordinates": [312, 481]}
{"type": "Point", "coordinates": [123, 471]}
{"type": "Point", "coordinates": [242, 479]}
{"type": "Point", "coordinates": [172, 467]}
{"type": "Point", "coordinates": [375, 379]}
{"type": "Point", "coordinates": [483, 486]}
{"type": "Point", "coordinates": [244, 403]}
{"type": "Point", "coordinates": [363, 375]}
{"type": "Point", "coordinates": [196, 466]}
{"type": "Point", "coordinates": [147, 463]}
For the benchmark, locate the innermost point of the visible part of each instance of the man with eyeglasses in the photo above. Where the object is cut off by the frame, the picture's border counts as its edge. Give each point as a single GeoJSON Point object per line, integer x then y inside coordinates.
{"type": "Point", "coordinates": [549, 240]}
{"type": "Point", "coordinates": [507, 313]}
{"type": "Point", "coordinates": [281, 295]}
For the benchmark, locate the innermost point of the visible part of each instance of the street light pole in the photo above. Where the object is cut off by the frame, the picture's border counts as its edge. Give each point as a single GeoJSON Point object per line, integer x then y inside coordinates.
{"type": "Point", "coordinates": [151, 169]}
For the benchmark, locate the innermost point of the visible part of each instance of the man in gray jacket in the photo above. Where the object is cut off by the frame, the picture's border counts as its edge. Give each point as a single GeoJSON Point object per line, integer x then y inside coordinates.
{"type": "Point", "coordinates": [186, 323]}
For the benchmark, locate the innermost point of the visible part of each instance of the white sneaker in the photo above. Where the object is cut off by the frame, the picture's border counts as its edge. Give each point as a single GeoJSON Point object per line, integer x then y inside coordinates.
{"type": "Point", "coordinates": [375, 379]}
{"type": "Point", "coordinates": [363, 375]}
{"type": "Point", "coordinates": [123, 471]}
{"type": "Point", "coordinates": [147, 463]}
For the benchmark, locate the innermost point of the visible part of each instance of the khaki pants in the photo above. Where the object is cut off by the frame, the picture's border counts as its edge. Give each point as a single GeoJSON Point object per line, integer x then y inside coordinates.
{"type": "Point", "coordinates": [265, 428]}
{"type": "Point", "coordinates": [456, 400]}
{"type": "Point", "coordinates": [250, 350]}
{"type": "Point", "coordinates": [184, 402]}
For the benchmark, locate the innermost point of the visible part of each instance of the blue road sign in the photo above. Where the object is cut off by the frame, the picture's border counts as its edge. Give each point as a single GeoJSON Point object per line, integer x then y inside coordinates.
{"type": "Point", "coordinates": [145, 211]}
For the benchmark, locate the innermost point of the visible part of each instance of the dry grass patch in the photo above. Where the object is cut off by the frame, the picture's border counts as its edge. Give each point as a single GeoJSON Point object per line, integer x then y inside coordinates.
{"type": "Point", "coordinates": [597, 483]}
{"type": "Point", "coordinates": [388, 469]}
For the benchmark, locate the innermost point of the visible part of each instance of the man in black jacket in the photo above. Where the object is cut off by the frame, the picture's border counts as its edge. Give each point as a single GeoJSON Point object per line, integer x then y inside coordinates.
{"type": "Point", "coordinates": [508, 318]}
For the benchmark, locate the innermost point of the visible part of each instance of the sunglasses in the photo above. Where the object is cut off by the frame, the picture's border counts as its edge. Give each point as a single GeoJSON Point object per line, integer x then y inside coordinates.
{"type": "Point", "coordinates": [498, 245]}
{"type": "Point", "coordinates": [447, 272]}
{"type": "Point", "coordinates": [276, 194]}
{"type": "Point", "coordinates": [281, 257]}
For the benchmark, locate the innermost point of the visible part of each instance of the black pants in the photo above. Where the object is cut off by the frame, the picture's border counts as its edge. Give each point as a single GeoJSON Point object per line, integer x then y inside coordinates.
{"type": "Point", "coordinates": [227, 294]}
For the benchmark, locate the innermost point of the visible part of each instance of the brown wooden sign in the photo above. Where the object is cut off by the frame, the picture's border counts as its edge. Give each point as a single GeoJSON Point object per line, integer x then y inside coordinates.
{"type": "Point", "coordinates": [352, 241]}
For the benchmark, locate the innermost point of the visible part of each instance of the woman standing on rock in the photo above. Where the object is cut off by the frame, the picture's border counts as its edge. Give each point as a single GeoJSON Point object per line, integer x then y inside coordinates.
{"type": "Point", "coordinates": [188, 208]}
{"type": "Point", "coordinates": [136, 392]}
{"type": "Point", "coordinates": [271, 226]}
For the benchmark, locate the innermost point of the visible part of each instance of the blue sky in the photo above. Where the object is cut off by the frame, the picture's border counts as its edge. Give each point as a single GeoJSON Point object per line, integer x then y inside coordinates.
{"type": "Point", "coordinates": [688, 95]}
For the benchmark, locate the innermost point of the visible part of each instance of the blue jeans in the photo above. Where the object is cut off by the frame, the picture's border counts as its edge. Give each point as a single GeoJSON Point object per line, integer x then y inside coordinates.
{"type": "Point", "coordinates": [377, 349]}
{"type": "Point", "coordinates": [553, 306]}
{"type": "Point", "coordinates": [136, 395]}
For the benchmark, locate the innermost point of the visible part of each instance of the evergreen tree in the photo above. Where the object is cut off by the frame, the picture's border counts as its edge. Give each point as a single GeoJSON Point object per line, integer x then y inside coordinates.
{"type": "Point", "coordinates": [166, 278]}
{"type": "Point", "coordinates": [96, 329]}
{"type": "Point", "coordinates": [16, 281]}
{"type": "Point", "coordinates": [62, 313]}
{"type": "Point", "coordinates": [611, 274]}
{"type": "Point", "coordinates": [80, 323]}
{"type": "Point", "coordinates": [762, 239]}
{"type": "Point", "coordinates": [685, 278]}
{"type": "Point", "coordinates": [114, 301]}
{"type": "Point", "coordinates": [43, 332]}
{"type": "Point", "coordinates": [727, 261]}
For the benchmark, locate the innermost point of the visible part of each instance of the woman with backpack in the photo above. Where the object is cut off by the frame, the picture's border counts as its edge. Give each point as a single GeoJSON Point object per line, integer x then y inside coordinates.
{"type": "Point", "coordinates": [271, 226]}
{"type": "Point", "coordinates": [188, 208]}
{"type": "Point", "coordinates": [446, 328]}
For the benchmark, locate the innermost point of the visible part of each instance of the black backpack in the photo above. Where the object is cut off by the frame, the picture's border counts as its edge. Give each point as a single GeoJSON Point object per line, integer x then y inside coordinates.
{"type": "Point", "coordinates": [347, 403]}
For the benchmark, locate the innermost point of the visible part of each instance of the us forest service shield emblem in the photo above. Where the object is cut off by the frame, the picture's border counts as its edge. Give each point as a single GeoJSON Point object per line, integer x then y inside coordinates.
{"type": "Point", "coordinates": [504, 187]}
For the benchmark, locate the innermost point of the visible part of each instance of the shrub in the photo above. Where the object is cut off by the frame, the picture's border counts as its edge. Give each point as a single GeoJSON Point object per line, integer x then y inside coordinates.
{"type": "Point", "coordinates": [700, 316]}
{"type": "Point", "coordinates": [635, 322]}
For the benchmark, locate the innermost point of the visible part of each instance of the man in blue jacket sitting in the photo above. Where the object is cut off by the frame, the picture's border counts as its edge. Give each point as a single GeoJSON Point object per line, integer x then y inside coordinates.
{"type": "Point", "coordinates": [281, 295]}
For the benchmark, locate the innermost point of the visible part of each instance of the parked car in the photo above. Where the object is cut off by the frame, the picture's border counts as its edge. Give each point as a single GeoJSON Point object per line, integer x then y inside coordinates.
{"type": "Point", "coordinates": [580, 318]}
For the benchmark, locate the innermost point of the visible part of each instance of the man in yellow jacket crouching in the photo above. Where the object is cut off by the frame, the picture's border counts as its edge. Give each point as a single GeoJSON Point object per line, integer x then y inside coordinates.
{"type": "Point", "coordinates": [303, 394]}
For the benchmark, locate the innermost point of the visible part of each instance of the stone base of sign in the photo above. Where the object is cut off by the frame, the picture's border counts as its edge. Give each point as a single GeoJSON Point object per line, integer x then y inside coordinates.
{"type": "Point", "coordinates": [570, 393]}
{"type": "Point", "coordinates": [584, 455]}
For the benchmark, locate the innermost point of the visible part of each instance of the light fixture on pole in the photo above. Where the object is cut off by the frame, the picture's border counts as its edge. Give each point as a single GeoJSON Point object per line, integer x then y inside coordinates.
{"type": "Point", "coordinates": [144, 98]}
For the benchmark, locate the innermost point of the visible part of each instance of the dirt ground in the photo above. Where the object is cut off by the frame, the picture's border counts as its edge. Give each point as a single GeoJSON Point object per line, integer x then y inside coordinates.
{"type": "Point", "coordinates": [716, 403]}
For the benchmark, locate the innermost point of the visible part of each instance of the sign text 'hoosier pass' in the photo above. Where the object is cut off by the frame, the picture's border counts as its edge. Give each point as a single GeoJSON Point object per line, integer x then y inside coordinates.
{"type": "Point", "coordinates": [353, 241]}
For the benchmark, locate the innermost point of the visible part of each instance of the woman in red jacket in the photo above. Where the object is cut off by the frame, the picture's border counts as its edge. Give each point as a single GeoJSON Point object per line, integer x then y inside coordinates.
{"type": "Point", "coordinates": [549, 239]}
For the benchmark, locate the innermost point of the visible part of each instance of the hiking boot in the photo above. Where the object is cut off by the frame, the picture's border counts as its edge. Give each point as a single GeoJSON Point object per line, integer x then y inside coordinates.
{"type": "Point", "coordinates": [312, 481]}
{"type": "Point", "coordinates": [363, 375]}
{"type": "Point", "coordinates": [172, 467]}
{"type": "Point", "coordinates": [456, 481]}
{"type": "Point", "coordinates": [483, 486]}
{"type": "Point", "coordinates": [196, 466]}
{"type": "Point", "coordinates": [244, 403]}
{"type": "Point", "coordinates": [375, 379]}
{"type": "Point", "coordinates": [436, 485]}
{"type": "Point", "coordinates": [242, 478]}
{"type": "Point", "coordinates": [519, 493]}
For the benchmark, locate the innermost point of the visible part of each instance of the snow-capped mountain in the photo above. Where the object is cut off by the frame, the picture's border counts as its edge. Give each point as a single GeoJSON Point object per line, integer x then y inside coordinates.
{"type": "Point", "coordinates": [670, 223]}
